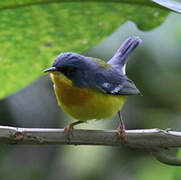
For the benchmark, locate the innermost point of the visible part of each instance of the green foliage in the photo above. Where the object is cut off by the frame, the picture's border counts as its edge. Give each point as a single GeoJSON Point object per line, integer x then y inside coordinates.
{"type": "Point", "coordinates": [31, 37]}
{"type": "Point", "coordinates": [161, 171]}
{"type": "Point", "coordinates": [169, 4]}
{"type": "Point", "coordinates": [153, 170]}
{"type": "Point", "coordinates": [177, 173]}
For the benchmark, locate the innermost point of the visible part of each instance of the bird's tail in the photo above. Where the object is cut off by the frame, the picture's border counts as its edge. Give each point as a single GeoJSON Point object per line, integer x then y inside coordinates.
{"type": "Point", "coordinates": [120, 59]}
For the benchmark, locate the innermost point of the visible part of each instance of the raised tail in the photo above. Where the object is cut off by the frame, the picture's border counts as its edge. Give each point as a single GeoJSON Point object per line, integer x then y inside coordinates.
{"type": "Point", "coordinates": [120, 59]}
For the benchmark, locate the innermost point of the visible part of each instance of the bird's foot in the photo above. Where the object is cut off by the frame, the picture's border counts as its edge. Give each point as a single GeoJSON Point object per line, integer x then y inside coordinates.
{"type": "Point", "coordinates": [122, 134]}
{"type": "Point", "coordinates": [68, 129]}
{"type": "Point", "coordinates": [121, 129]}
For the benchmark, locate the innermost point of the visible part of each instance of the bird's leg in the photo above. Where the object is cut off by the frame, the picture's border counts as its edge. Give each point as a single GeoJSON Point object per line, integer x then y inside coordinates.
{"type": "Point", "coordinates": [121, 128]}
{"type": "Point", "coordinates": [69, 128]}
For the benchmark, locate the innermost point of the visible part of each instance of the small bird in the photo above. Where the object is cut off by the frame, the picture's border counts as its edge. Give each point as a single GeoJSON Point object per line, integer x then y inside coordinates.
{"type": "Point", "coordinates": [88, 88]}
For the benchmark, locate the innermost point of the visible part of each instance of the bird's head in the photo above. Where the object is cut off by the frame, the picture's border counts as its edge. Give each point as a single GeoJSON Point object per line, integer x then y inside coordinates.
{"type": "Point", "coordinates": [73, 66]}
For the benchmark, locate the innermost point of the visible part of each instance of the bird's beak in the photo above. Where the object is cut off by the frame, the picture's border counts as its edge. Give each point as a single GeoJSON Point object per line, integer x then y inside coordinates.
{"type": "Point", "coordinates": [50, 70]}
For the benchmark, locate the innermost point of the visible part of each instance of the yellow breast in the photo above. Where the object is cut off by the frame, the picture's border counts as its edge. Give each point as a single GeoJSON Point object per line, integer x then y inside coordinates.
{"type": "Point", "coordinates": [84, 103]}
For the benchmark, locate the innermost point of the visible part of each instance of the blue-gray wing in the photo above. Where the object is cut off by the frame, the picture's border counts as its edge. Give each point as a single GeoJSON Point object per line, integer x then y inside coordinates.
{"type": "Point", "coordinates": [106, 80]}
{"type": "Point", "coordinates": [112, 82]}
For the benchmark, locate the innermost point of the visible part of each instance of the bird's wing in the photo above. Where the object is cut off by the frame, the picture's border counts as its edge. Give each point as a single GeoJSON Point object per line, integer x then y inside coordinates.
{"type": "Point", "coordinates": [125, 88]}
{"type": "Point", "coordinates": [113, 83]}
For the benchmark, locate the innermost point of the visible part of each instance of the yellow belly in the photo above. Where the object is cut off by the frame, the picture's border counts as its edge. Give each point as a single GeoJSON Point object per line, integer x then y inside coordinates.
{"type": "Point", "coordinates": [83, 103]}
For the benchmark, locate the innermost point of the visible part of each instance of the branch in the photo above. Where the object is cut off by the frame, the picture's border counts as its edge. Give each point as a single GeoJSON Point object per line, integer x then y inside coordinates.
{"type": "Point", "coordinates": [155, 140]}
{"type": "Point", "coordinates": [167, 159]}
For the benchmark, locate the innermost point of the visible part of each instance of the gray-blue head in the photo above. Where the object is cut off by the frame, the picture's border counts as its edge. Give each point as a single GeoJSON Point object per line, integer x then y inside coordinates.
{"type": "Point", "coordinates": [74, 66]}
{"type": "Point", "coordinates": [72, 60]}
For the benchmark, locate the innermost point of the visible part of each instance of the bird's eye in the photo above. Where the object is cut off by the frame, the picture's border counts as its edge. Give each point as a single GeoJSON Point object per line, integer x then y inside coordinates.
{"type": "Point", "coordinates": [68, 72]}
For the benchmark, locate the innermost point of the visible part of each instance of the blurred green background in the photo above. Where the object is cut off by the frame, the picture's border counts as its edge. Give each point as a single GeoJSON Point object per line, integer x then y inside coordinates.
{"type": "Point", "coordinates": [155, 67]}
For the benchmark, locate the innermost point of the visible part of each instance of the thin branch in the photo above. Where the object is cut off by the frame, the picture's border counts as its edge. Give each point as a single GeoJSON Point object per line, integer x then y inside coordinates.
{"type": "Point", "coordinates": [155, 140]}
{"type": "Point", "coordinates": [166, 158]}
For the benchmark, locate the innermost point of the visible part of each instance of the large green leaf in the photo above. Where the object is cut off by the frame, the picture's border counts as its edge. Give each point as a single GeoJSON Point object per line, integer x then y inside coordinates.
{"type": "Point", "coordinates": [31, 37]}
{"type": "Point", "coordinates": [169, 4]}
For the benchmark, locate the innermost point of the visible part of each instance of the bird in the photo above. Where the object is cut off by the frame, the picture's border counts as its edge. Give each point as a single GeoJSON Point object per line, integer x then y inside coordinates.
{"type": "Point", "coordinates": [88, 88]}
